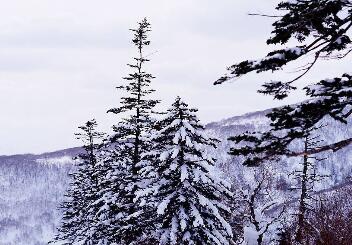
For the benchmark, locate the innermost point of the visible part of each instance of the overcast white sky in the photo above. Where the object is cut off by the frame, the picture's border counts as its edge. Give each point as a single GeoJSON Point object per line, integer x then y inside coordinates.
{"type": "Point", "coordinates": [60, 61]}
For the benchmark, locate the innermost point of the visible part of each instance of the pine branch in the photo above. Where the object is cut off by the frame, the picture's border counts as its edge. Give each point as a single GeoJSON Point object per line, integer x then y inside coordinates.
{"type": "Point", "coordinates": [334, 147]}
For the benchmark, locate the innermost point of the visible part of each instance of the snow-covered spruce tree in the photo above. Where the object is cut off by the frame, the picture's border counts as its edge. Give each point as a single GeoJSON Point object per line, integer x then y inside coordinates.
{"type": "Point", "coordinates": [191, 200]}
{"type": "Point", "coordinates": [321, 29]}
{"type": "Point", "coordinates": [133, 131]}
{"type": "Point", "coordinates": [110, 206]}
{"type": "Point", "coordinates": [75, 225]}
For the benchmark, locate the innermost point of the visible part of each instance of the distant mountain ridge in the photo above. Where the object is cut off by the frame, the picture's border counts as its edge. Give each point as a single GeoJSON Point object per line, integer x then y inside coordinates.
{"type": "Point", "coordinates": [68, 151]}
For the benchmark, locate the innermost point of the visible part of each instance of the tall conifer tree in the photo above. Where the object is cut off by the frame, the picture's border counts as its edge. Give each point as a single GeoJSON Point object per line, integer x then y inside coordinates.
{"type": "Point", "coordinates": [134, 131]}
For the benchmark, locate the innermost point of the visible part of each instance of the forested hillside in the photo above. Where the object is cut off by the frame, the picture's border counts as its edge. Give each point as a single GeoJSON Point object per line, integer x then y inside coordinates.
{"type": "Point", "coordinates": [33, 186]}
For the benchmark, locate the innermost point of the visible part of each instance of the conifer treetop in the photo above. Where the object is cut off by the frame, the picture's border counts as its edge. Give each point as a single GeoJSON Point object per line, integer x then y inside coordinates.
{"type": "Point", "coordinates": [131, 133]}
{"type": "Point", "coordinates": [138, 81]}
{"type": "Point", "coordinates": [89, 135]}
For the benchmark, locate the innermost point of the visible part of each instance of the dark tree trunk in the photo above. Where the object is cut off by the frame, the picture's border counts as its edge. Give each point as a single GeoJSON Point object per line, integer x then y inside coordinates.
{"type": "Point", "coordinates": [304, 195]}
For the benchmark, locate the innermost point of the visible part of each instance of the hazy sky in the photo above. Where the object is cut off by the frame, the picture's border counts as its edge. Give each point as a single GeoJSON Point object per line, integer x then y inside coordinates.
{"type": "Point", "coordinates": [60, 61]}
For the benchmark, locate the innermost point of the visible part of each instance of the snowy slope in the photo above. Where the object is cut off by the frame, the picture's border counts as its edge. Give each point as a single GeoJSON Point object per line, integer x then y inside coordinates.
{"type": "Point", "coordinates": [32, 186]}
{"type": "Point", "coordinates": [338, 164]}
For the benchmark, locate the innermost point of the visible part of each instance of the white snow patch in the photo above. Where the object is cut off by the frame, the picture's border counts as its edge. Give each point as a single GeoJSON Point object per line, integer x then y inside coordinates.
{"type": "Point", "coordinates": [250, 236]}
{"type": "Point", "coordinates": [56, 160]}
